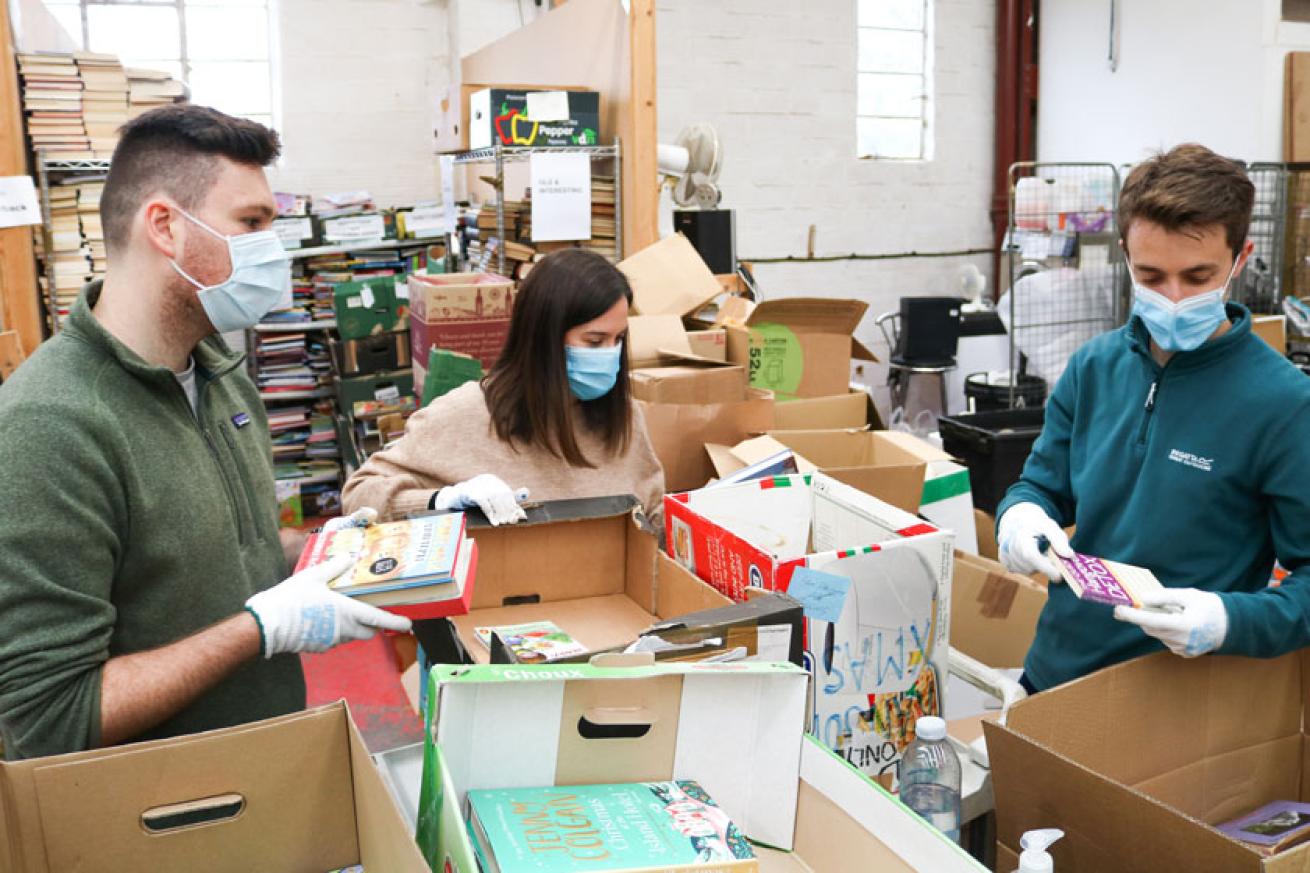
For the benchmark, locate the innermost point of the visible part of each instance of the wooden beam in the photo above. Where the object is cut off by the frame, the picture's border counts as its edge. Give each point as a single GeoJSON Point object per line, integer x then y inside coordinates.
{"type": "Point", "coordinates": [639, 131]}
{"type": "Point", "coordinates": [20, 308]}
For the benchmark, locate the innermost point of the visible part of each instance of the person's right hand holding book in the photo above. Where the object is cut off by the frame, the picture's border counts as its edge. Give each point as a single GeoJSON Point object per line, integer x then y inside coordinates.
{"type": "Point", "coordinates": [1025, 533]}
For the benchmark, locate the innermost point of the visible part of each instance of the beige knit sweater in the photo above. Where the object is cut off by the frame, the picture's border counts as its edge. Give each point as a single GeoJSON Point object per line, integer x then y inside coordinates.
{"type": "Point", "coordinates": [451, 441]}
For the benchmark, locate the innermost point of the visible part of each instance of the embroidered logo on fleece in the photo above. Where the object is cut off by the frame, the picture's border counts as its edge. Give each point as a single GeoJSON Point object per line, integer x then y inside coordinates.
{"type": "Point", "coordinates": [1188, 459]}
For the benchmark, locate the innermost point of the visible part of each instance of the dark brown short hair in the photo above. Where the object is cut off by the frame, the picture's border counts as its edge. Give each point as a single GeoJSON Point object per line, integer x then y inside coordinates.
{"type": "Point", "coordinates": [174, 149]}
{"type": "Point", "coordinates": [527, 389]}
{"type": "Point", "coordinates": [1187, 188]}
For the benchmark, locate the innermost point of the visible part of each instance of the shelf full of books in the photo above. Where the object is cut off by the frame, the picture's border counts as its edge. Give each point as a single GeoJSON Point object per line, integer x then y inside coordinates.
{"type": "Point", "coordinates": [499, 232]}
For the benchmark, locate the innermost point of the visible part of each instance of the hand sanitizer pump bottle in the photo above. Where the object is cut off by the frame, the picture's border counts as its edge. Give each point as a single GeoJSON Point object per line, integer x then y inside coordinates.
{"type": "Point", "coordinates": [1035, 858]}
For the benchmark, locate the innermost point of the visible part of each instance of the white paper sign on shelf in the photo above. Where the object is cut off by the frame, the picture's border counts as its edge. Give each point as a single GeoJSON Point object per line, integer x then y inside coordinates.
{"type": "Point", "coordinates": [548, 106]}
{"type": "Point", "coordinates": [561, 197]}
{"type": "Point", "coordinates": [18, 204]}
{"type": "Point", "coordinates": [427, 221]}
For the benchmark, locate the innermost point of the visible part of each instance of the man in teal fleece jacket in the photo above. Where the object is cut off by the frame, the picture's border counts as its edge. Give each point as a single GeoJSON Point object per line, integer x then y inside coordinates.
{"type": "Point", "coordinates": [1179, 442]}
{"type": "Point", "coordinates": [139, 550]}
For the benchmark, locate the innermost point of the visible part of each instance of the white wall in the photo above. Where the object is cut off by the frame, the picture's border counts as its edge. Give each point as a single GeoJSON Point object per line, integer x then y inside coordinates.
{"type": "Point", "coordinates": [777, 80]}
{"type": "Point", "coordinates": [1188, 72]}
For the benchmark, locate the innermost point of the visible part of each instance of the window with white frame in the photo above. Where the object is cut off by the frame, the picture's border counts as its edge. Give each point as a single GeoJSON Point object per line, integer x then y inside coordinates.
{"type": "Point", "coordinates": [220, 48]}
{"type": "Point", "coordinates": [894, 88]}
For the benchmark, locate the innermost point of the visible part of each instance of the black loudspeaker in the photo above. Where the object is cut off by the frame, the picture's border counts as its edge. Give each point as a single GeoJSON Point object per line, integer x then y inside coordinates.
{"type": "Point", "coordinates": [713, 233]}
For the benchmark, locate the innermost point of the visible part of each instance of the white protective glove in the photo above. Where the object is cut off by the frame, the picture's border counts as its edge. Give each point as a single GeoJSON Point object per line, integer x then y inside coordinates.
{"type": "Point", "coordinates": [362, 517]}
{"type": "Point", "coordinates": [1189, 621]}
{"type": "Point", "coordinates": [498, 502]}
{"type": "Point", "coordinates": [301, 614]}
{"type": "Point", "coordinates": [1019, 532]}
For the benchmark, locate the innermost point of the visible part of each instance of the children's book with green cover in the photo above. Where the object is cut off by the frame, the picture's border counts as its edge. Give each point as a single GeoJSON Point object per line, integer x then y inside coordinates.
{"type": "Point", "coordinates": [664, 826]}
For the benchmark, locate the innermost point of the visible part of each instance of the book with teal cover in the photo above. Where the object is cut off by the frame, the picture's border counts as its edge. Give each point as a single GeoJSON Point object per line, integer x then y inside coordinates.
{"type": "Point", "coordinates": [633, 826]}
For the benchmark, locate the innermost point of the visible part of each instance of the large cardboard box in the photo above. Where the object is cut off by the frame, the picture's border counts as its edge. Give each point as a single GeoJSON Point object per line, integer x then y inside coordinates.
{"type": "Point", "coordinates": [1136, 762]}
{"type": "Point", "coordinates": [852, 408]}
{"type": "Point", "coordinates": [669, 278]}
{"type": "Point", "coordinates": [800, 347]}
{"type": "Point", "coordinates": [690, 383]}
{"type": "Point", "coordinates": [947, 490]}
{"type": "Point", "coordinates": [505, 116]}
{"type": "Point", "coordinates": [679, 432]}
{"type": "Point", "coordinates": [877, 642]}
{"type": "Point", "coordinates": [295, 793]}
{"type": "Point", "coordinates": [585, 564]}
{"type": "Point", "coordinates": [993, 612]}
{"type": "Point", "coordinates": [1272, 329]}
{"type": "Point", "coordinates": [871, 461]}
{"type": "Point", "coordinates": [501, 726]}
{"type": "Point", "coordinates": [462, 312]}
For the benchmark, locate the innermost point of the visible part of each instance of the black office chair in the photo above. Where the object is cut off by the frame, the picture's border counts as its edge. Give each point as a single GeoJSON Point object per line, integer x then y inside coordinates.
{"type": "Point", "coordinates": [923, 337]}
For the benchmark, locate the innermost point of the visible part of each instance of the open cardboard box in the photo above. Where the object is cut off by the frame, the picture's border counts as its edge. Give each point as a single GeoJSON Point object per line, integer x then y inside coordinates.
{"type": "Point", "coordinates": [1137, 761]}
{"type": "Point", "coordinates": [496, 726]}
{"type": "Point", "coordinates": [588, 566]}
{"type": "Point", "coordinates": [874, 462]}
{"type": "Point", "coordinates": [801, 346]}
{"type": "Point", "coordinates": [461, 312]}
{"type": "Point", "coordinates": [877, 644]}
{"type": "Point", "coordinates": [669, 277]}
{"type": "Point", "coordinates": [699, 383]}
{"type": "Point", "coordinates": [295, 793]}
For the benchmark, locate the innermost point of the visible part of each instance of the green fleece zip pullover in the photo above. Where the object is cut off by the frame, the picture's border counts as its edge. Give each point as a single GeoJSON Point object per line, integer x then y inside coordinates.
{"type": "Point", "coordinates": [128, 522]}
{"type": "Point", "coordinates": [1199, 471]}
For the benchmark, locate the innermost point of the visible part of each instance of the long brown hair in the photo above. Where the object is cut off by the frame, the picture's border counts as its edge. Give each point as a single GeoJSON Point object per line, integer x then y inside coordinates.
{"type": "Point", "coordinates": [527, 390]}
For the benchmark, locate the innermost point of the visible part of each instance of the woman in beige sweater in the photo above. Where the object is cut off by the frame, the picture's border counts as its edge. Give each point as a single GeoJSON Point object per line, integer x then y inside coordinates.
{"type": "Point", "coordinates": [553, 418]}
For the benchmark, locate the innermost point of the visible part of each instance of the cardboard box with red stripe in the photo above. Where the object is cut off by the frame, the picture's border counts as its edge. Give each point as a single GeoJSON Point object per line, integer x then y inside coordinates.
{"type": "Point", "coordinates": [876, 585]}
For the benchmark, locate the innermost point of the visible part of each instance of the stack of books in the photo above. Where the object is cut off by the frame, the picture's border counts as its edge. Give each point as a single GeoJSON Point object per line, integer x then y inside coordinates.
{"type": "Point", "coordinates": [88, 214]}
{"type": "Point", "coordinates": [72, 258]}
{"type": "Point", "coordinates": [149, 89]}
{"type": "Point", "coordinates": [104, 99]}
{"type": "Point", "coordinates": [422, 568]}
{"type": "Point", "coordinates": [52, 104]}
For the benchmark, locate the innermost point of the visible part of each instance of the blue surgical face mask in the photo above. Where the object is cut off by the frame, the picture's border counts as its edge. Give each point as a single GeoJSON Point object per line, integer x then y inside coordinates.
{"type": "Point", "coordinates": [592, 372]}
{"type": "Point", "coordinates": [1181, 326]}
{"type": "Point", "coordinates": [260, 279]}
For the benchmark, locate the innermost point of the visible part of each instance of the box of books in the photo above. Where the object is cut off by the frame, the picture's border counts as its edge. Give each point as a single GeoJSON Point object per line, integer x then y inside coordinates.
{"type": "Point", "coordinates": [293, 793]}
{"type": "Point", "coordinates": [369, 306]}
{"type": "Point", "coordinates": [875, 582]}
{"type": "Point", "coordinates": [627, 765]}
{"type": "Point", "coordinates": [461, 312]}
{"type": "Point", "coordinates": [582, 574]}
{"type": "Point", "coordinates": [1163, 763]}
{"type": "Point", "coordinates": [531, 117]}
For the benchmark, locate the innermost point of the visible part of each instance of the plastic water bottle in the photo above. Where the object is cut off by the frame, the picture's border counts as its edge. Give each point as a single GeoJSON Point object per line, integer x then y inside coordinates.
{"type": "Point", "coordinates": [930, 777]}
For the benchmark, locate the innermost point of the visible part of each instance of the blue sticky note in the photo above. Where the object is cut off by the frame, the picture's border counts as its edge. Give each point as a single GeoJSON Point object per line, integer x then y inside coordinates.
{"type": "Point", "coordinates": [822, 594]}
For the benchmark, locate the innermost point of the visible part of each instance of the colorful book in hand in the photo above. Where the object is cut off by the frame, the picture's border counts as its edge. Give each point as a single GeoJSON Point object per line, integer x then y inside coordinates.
{"type": "Point", "coordinates": [1273, 827]}
{"type": "Point", "coordinates": [421, 568]}
{"type": "Point", "coordinates": [535, 642]}
{"type": "Point", "coordinates": [1108, 582]}
{"type": "Point", "coordinates": [665, 826]}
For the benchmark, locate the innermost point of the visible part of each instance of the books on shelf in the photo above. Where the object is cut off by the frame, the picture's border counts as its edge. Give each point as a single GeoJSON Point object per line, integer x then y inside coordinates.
{"type": "Point", "coordinates": [425, 563]}
{"type": "Point", "coordinates": [534, 642]}
{"type": "Point", "coordinates": [1110, 582]}
{"type": "Point", "coordinates": [670, 826]}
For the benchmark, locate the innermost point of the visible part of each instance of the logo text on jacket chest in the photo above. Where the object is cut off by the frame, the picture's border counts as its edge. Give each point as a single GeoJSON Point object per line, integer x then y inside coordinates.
{"type": "Point", "coordinates": [1188, 459]}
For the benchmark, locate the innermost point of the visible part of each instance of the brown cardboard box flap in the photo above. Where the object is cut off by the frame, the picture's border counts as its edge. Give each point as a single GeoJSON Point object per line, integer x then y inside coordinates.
{"type": "Point", "coordinates": [863, 459]}
{"type": "Point", "coordinates": [993, 612]}
{"type": "Point", "coordinates": [727, 460]}
{"type": "Point", "coordinates": [852, 409]}
{"type": "Point", "coordinates": [669, 278]}
{"type": "Point", "coordinates": [817, 315]}
{"type": "Point", "coordinates": [701, 382]}
{"type": "Point", "coordinates": [679, 431]}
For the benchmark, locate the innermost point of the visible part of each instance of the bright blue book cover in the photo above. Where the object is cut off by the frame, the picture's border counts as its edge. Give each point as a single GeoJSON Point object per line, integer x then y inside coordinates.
{"type": "Point", "coordinates": [636, 826]}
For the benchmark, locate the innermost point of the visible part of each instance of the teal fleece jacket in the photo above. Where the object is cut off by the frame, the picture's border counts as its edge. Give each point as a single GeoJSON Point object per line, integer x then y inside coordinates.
{"type": "Point", "coordinates": [126, 523]}
{"type": "Point", "coordinates": [1199, 471]}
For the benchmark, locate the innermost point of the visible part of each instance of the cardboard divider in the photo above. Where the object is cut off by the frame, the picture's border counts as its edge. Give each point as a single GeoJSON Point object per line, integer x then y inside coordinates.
{"type": "Point", "coordinates": [645, 758]}
{"type": "Point", "coordinates": [870, 461]}
{"type": "Point", "coordinates": [1218, 788]}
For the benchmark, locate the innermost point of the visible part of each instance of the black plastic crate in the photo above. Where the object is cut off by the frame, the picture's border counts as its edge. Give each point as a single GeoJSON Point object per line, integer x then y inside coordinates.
{"type": "Point", "coordinates": [994, 446]}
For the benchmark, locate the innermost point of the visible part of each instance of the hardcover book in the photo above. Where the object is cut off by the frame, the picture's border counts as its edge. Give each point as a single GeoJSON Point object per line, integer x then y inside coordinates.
{"type": "Point", "coordinates": [1273, 827]}
{"type": "Point", "coordinates": [664, 826]}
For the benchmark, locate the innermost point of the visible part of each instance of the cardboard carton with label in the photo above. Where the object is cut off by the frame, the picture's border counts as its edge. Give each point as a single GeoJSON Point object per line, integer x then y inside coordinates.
{"type": "Point", "coordinates": [877, 597]}
{"type": "Point", "coordinates": [462, 312]}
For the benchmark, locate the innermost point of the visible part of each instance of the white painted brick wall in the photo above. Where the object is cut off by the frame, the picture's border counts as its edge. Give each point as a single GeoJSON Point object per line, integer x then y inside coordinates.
{"type": "Point", "coordinates": [777, 80]}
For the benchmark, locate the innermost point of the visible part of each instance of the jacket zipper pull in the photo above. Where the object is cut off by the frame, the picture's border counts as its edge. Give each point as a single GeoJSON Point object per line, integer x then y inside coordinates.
{"type": "Point", "coordinates": [1150, 396]}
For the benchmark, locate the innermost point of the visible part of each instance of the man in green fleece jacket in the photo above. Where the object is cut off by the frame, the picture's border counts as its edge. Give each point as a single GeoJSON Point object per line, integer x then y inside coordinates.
{"type": "Point", "coordinates": [139, 550]}
{"type": "Point", "coordinates": [1179, 442]}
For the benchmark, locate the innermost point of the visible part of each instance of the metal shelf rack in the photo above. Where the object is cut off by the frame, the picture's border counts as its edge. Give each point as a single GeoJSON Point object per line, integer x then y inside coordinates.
{"type": "Point", "coordinates": [46, 168]}
{"type": "Point", "coordinates": [501, 155]}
